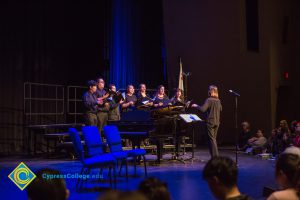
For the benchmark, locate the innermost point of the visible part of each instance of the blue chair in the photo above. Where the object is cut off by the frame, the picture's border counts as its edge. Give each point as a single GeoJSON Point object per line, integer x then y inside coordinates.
{"type": "Point", "coordinates": [114, 141]}
{"type": "Point", "coordinates": [94, 162]}
{"type": "Point", "coordinates": [95, 146]}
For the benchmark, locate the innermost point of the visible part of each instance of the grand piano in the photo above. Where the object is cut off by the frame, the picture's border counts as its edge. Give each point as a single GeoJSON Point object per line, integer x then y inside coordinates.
{"type": "Point", "coordinates": [142, 123]}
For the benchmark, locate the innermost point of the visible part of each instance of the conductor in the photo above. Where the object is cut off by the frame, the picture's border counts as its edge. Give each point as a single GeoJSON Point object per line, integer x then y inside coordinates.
{"type": "Point", "coordinates": [212, 108]}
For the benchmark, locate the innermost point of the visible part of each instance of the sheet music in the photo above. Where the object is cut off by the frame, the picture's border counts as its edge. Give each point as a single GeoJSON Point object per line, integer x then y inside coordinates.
{"type": "Point", "coordinates": [145, 102]}
{"type": "Point", "coordinates": [188, 118]}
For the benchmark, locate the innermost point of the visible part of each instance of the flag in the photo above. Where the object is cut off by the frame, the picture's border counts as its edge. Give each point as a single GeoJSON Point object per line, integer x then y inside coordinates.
{"type": "Point", "coordinates": [180, 81]}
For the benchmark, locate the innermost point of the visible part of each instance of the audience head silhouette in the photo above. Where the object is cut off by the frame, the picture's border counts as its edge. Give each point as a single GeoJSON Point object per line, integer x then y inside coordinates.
{"type": "Point", "coordinates": [154, 189]}
{"type": "Point", "coordinates": [47, 189]}
{"type": "Point", "coordinates": [221, 175]}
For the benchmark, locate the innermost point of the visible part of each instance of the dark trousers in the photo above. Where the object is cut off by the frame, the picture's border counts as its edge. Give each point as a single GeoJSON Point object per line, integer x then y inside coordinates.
{"type": "Point", "coordinates": [114, 114]}
{"type": "Point", "coordinates": [99, 119]}
{"type": "Point", "coordinates": [91, 119]}
{"type": "Point", "coordinates": [212, 131]}
{"type": "Point", "coordinates": [102, 120]}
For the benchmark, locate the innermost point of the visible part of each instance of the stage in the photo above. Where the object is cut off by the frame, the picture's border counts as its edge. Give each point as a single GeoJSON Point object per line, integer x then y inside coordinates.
{"type": "Point", "coordinates": [184, 180]}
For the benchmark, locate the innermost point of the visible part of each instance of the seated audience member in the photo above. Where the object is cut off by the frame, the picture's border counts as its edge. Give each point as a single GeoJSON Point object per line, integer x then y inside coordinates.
{"type": "Point", "coordinates": [287, 177]}
{"type": "Point", "coordinates": [244, 136]}
{"type": "Point", "coordinates": [293, 126]}
{"type": "Point", "coordinates": [221, 174]}
{"type": "Point", "coordinates": [292, 150]}
{"type": "Point", "coordinates": [283, 127]}
{"type": "Point", "coordinates": [296, 140]}
{"type": "Point", "coordinates": [154, 189]}
{"type": "Point", "coordinates": [110, 195]}
{"type": "Point", "coordinates": [293, 133]}
{"type": "Point", "coordinates": [47, 189]}
{"type": "Point", "coordinates": [118, 195]}
{"type": "Point", "coordinates": [282, 136]}
{"type": "Point", "coordinates": [271, 142]}
{"type": "Point", "coordinates": [258, 142]}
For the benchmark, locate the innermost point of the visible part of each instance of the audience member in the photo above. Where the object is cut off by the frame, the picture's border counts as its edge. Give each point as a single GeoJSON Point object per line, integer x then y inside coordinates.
{"type": "Point", "coordinates": [258, 142]}
{"type": "Point", "coordinates": [282, 139]}
{"type": "Point", "coordinates": [47, 189]}
{"type": "Point", "coordinates": [293, 125]}
{"type": "Point", "coordinates": [292, 150]}
{"type": "Point", "coordinates": [284, 134]}
{"type": "Point", "coordinates": [296, 140]}
{"type": "Point", "coordinates": [286, 172]}
{"type": "Point", "coordinates": [118, 195]}
{"type": "Point", "coordinates": [110, 195]}
{"type": "Point", "coordinates": [154, 189]}
{"type": "Point", "coordinates": [283, 126]}
{"type": "Point", "coordinates": [271, 142]}
{"type": "Point", "coordinates": [244, 136]}
{"type": "Point", "coordinates": [221, 174]}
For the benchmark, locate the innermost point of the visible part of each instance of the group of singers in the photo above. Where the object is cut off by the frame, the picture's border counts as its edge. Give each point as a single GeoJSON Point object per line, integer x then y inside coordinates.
{"type": "Point", "coordinates": [102, 105]}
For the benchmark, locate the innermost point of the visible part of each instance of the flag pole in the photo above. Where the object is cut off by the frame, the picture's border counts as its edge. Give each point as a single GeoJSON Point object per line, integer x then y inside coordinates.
{"type": "Point", "coordinates": [180, 79]}
{"type": "Point", "coordinates": [183, 76]}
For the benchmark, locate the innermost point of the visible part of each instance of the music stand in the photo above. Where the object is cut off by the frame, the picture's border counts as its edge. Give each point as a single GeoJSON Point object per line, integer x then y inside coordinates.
{"type": "Point", "coordinates": [191, 119]}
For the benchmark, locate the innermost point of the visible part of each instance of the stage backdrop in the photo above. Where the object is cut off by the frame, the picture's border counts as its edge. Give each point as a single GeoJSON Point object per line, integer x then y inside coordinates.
{"type": "Point", "coordinates": [69, 42]}
{"type": "Point", "coordinates": [211, 38]}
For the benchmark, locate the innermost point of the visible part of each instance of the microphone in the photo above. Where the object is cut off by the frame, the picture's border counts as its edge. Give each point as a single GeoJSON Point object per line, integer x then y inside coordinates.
{"type": "Point", "coordinates": [234, 93]}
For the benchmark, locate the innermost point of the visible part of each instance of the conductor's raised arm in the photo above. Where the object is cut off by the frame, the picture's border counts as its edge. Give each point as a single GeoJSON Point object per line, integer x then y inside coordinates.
{"type": "Point", "coordinates": [202, 108]}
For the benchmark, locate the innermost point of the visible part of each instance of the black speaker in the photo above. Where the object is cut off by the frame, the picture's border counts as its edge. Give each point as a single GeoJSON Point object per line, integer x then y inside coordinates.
{"type": "Point", "coordinates": [252, 25]}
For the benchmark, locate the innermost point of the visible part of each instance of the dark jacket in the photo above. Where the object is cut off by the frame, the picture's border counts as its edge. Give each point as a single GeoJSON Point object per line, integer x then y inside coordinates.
{"type": "Point", "coordinates": [100, 93]}
{"type": "Point", "coordinates": [141, 99]}
{"type": "Point", "coordinates": [212, 108]}
{"type": "Point", "coordinates": [90, 102]}
{"type": "Point", "coordinates": [166, 101]}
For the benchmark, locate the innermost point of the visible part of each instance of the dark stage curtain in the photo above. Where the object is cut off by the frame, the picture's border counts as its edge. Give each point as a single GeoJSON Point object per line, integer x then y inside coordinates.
{"type": "Point", "coordinates": [137, 48]}
{"type": "Point", "coordinates": [69, 42]}
{"type": "Point", "coordinates": [57, 42]}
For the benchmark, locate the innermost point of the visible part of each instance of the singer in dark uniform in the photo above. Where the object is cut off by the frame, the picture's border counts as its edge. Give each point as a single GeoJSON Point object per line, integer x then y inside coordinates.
{"type": "Point", "coordinates": [178, 99]}
{"type": "Point", "coordinates": [103, 109]}
{"type": "Point", "coordinates": [161, 99]}
{"type": "Point", "coordinates": [91, 104]}
{"type": "Point", "coordinates": [212, 108]}
{"type": "Point", "coordinates": [143, 99]}
{"type": "Point", "coordinates": [130, 99]}
{"type": "Point", "coordinates": [114, 110]}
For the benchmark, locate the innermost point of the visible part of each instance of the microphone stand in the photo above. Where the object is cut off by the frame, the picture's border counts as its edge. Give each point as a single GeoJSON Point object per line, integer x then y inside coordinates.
{"type": "Point", "coordinates": [236, 128]}
{"type": "Point", "coordinates": [236, 95]}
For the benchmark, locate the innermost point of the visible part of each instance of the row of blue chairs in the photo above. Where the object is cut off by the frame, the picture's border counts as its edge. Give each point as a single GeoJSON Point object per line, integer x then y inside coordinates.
{"type": "Point", "coordinates": [96, 158]}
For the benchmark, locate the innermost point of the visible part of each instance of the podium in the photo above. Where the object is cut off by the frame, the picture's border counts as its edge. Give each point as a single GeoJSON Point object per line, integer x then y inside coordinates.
{"type": "Point", "coordinates": [191, 119]}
